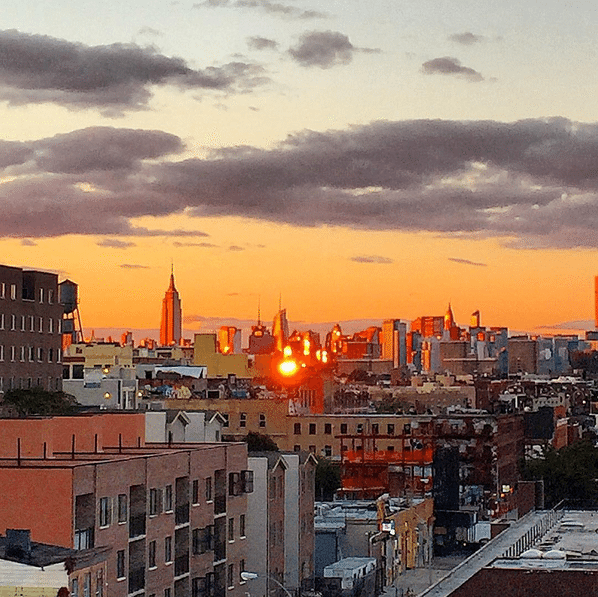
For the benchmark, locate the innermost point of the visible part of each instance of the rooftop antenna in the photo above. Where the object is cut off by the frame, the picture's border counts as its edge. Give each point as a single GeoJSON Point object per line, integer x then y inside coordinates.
{"type": "Point", "coordinates": [259, 310]}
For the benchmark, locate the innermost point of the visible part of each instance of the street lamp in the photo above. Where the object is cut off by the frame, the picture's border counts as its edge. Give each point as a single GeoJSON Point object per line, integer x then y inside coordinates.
{"type": "Point", "coordinates": [253, 576]}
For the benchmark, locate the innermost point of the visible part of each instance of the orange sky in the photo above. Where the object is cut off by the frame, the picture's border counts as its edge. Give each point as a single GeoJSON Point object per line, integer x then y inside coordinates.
{"type": "Point", "coordinates": [363, 160]}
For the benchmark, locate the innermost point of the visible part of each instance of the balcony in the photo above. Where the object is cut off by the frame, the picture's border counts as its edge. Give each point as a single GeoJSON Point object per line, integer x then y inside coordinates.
{"type": "Point", "coordinates": [181, 565]}
{"type": "Point", "coordinates": [181, 515]}
{"type": "Point", "coordinates": [136, 579]}
{"type": "Point", "coordinates": [136, 525]}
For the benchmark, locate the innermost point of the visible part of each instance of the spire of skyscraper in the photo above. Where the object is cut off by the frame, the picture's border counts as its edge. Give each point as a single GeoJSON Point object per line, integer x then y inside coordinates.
{"type": "Point", "coordinates": [171, 324]}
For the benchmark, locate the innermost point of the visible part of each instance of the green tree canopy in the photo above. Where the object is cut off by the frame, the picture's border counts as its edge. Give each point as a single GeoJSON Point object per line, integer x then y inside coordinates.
{"type": "Point", "coordinates": [570, 473]}
{"type": "Point", "coordinates": [36, 401]}
{"type": "Point", "coordinates": [260, 442]}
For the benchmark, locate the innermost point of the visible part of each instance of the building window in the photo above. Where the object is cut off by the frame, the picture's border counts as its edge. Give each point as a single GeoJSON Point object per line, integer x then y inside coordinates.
{"type": "Point", "coordinates": [31, 323]}
{"type": "Point", "coordinates": [167, 550]}
{"type": "Point", "coordinates": [328, 451]}
{"type": "Point", "coordinates": [343, 428]}
{"type": "Point", "coordinates": [75, 587]}
{"type": "Point", "coordinates": [390, 429]}
{"type": "Point", "coordinates": [87, 585]}
{"type": "Point", "coordinates": [230, 576]}
{"type": "Point", "coordinates": [296, 448]}
{"type": "Point", "coordinates": [3, 290]}
{"type": "Point", "coordinates": [50, 326]}
{"type": "Point", "coordinates": [12, 357]}
{"type": "Point", "coordinates": [375, 429]}
{"type": "Point", "coordinates": [40, 325]}
{"type": "Point", "coordinates": [100, 583]}
{"type": "Point", "coordinates": [225, 421]}
{"type": "Point", "coordinates": [272, 488]}
{"type": "Point", "coordinates": [50, 296]}
{"type": "Point", "coordinates": [41, 295]}
{"type": "Point", "coordinates": [105, 512]}
{"type": "Point", "coordinates": [13, 292]}
{"type": "Point", "coordinates": [195, 492]}
{"type": "Point", "coordinates": [241, 569]}
{"type": "Point", "coordinates": [297, 428]}
{"type": "Point", "coordinates": [120, 564]}
{"type": "Point", "coordinates": [151, 554]}
{"type": "Point", "coordinates": [167, 592]}
{"type": "Point", "coordinates": [359, 428]}
{"type": "Point", "coordinates": [122, 507]}
{"type": "Point", "coordinates": [23, 323]}
{"type": "Point", "coordinates": [242, 525]}
{"type": "Point", "coordinates": [231, 529]}
{"type": "Point", "coordinates": [1, 321]}
{"type": "Point", "coordinates": [312, 449]}
{"type": "Point", "coordinates": [13, 322]}
{"type": "Point", "coordinates": [209, 489]}
{"type": "Point", "coordinates": [40, 354]}
{"type": "Point", "coordinates": [328, 428]}
{"type": "Point", "coordinates": [262, 420]}
{"type": "Point", "coordinates": [22, 351]}
{"type": "Point", "coordinates": [1, 354]}
{"type": "Point", "coordinates": [154, 505]}
{"type": "Point", "coordinates": [168, 498]}
{"type": "Point", "coordinates": [31, 354]}
{"type": "Point", "coordinates": [312, 428]}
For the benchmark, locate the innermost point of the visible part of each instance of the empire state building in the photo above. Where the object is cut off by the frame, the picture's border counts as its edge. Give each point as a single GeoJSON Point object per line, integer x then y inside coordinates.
{"type": "Point", "coordinates": [170, 327]}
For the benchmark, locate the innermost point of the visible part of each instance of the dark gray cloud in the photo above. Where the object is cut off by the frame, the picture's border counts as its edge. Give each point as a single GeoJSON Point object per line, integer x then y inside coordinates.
{"type": "Point", "coordinates": [266, 6]}
{"type": "Point", "coordinates": [450, 66]}
{"type": "Point", "coordinates": [133, 266]}
{"type": "Point", "coordinates": [115, 243]}
{"type": "Point", "coordinates": [323, 49]}
{"type": "Point", "coordinates": [371, 259]}
{"type": "Point", "coordinates": [466, 262]}
{"type": "Point", "coordinates": [27, 242]}
{"type": "Point", "coordinates": [467, 38]}
{"type": "Point", "coordinates": [113, 78]}
{"type": "Point", "coordinates": [534, 183]}
{"type": "Point", "coordinates": [235, 248]}
{"type": "Point", "coordinates": [262, 43]}
{"type": "Point", "coordinates": [103, 148]}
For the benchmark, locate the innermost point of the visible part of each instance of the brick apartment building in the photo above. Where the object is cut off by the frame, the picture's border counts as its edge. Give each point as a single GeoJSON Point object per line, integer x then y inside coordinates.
{"type": "Point", "coordinates": [30, 332]}
{"type": "Point", "coordinates": [174, 515]}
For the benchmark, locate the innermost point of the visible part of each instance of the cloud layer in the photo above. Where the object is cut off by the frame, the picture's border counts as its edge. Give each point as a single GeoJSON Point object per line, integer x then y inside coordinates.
{"type": "Point", "coordinates": [532, 182]}
{"type": "Point", "coordinates": [114, 78]}
{"type": "Point", "coordinates": [266, 6]}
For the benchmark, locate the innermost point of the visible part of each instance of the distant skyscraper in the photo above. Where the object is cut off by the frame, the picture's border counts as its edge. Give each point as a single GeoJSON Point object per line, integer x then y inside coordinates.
{"type": "Point", "coordinates": [170, 327]}
{"type": "Point", "coordinates": [280, 329]}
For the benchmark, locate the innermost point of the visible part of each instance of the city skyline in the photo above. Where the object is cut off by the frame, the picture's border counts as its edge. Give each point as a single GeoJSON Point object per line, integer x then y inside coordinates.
{"type": "Point", "coordinates": [366, 162]}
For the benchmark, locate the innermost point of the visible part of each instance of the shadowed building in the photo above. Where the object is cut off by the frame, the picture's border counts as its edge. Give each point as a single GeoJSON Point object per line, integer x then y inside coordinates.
{"type": "Point", "coordinates": [170, 327]}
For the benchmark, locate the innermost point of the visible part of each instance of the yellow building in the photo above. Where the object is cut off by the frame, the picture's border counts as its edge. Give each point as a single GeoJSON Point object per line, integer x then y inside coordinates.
{"type": "Point", "coordinates": [102, 355]}
{"type": "Point", "coordinates": [205, 352]}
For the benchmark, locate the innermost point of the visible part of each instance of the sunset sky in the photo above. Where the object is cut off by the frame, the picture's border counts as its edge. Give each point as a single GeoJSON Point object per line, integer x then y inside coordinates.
{"type": "Point", "coordinates": [363, 160]}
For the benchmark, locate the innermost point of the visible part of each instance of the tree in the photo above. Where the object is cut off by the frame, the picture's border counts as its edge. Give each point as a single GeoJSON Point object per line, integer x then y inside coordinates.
{"type": "Point", "coordinates": [568, 474]}
{"type": "Point", "coordinates": [260, 442]}
{"type": "Point", "coordinates": [36, 401]}
{"type": "Point", "coordinates": [328, 479]}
